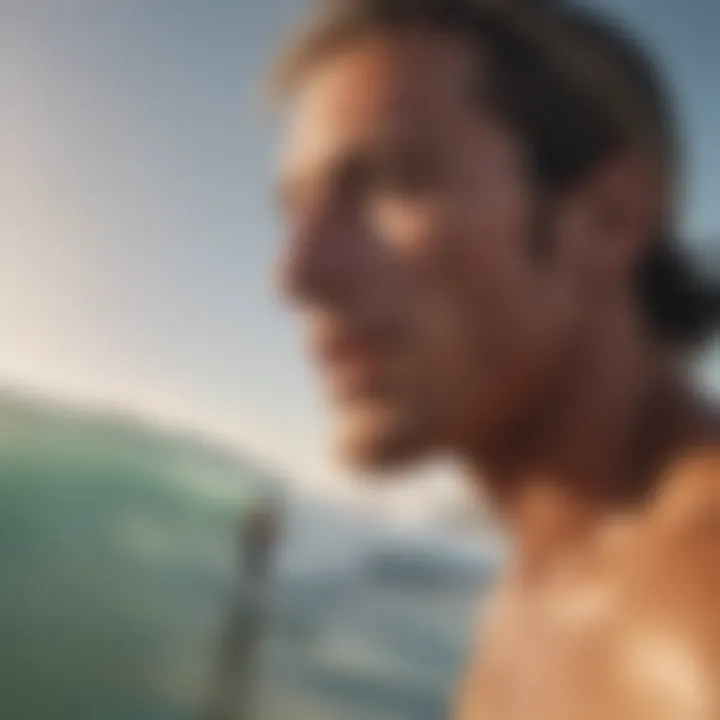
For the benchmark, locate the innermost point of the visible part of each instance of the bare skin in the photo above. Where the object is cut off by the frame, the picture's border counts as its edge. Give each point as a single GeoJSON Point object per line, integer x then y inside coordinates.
{"type": "Point", "coordinates": [412, 231]}
{"type": "Point", "coordinates": [610, 609]}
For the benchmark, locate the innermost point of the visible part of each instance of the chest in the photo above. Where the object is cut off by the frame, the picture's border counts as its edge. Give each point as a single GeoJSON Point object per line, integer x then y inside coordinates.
{"type": "Point", "coordinates": [583, 652]}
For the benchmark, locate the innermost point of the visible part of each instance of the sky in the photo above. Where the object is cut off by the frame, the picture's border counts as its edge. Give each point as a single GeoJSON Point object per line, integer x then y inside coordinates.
{"type": "Point", "coordinates": [137, 229]}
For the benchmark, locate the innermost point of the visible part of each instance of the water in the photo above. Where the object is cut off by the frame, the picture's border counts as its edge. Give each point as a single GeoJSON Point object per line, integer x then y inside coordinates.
{"type": "Point", "coordinates": [119, 552]}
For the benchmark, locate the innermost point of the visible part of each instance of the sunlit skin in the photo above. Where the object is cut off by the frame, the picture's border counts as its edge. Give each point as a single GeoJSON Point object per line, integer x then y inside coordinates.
{"type": "Point", "coordinates": [452, 307]}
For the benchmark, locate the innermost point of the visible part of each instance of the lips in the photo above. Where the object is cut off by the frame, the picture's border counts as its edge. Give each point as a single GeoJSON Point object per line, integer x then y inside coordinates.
{"type": "Point", "coordinates": [350, 361]}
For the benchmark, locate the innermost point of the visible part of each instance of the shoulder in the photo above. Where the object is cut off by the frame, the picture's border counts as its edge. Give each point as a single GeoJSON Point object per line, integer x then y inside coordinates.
{"type": "Point", "coordinates": [678, 553]}
{"type": "Point", "coordinates": [685, 520]}
{"type": "Point", "coordinates": [667, 635]}
{"type": "Point", "coordinates": [492, 641]}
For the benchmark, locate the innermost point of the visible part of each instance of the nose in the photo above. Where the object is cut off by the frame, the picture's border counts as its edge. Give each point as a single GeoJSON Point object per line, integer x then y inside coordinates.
{"type": "Point", "coordinates": [319, 259]}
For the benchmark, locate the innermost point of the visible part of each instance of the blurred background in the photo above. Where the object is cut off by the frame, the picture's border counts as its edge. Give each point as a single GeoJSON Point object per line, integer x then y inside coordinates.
{"type": "Point", "coordinates": [175, 540]}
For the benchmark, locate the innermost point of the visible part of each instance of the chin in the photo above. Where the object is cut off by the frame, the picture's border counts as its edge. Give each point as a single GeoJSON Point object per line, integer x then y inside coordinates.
{"type": "Point", "coordinates": [381, 438]}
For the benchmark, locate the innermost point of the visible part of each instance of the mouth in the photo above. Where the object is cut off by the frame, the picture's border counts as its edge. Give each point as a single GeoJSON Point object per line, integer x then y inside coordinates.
{"type": "Point", "coordinates": [351, 363]}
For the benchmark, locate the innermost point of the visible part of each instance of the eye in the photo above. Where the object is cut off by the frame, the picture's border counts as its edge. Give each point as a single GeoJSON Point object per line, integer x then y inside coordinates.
{"type": "Point", "coordinates": [404, 175]}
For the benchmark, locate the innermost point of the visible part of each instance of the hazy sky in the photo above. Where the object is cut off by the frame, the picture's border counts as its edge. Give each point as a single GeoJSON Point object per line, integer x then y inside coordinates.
{"type": "Point", "coordinates": [136, 223]}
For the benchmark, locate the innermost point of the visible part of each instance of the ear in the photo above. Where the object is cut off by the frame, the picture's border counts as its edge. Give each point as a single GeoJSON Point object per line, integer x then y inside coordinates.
{"type": "Point", "coordinates": [607, 221]}
{"type": "Point", "coordinates": [624, 205]}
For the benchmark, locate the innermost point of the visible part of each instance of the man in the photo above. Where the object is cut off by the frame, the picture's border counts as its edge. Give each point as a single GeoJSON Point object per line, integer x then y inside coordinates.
{"type": "Point", "coordinates": [480, 200]}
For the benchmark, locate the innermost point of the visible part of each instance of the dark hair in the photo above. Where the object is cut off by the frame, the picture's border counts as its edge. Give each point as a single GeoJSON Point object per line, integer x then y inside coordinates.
{"type": "Point", "coordinates": [575, 86]}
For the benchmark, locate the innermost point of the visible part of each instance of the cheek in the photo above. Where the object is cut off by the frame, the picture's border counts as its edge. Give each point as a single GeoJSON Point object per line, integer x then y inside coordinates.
{"type": "Point", "coordinates": [438, 284]}
{"type": "Point", "coordinates": [488, 327]}
{"type": "Point", "coordinates": [421, 290]}
{"type": "Point", "coordinates": [463, 279]}
{"type": "Point", "coordinates": [479, 284]}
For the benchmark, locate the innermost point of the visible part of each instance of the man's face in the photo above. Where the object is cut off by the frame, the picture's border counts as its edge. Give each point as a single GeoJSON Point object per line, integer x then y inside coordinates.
{"type": "Point", "coordinates": [412, 253]}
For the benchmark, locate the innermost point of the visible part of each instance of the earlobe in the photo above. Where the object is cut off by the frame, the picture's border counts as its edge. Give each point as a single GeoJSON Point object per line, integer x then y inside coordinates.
{"type": "Point", "coordinates": [579, 242]}
{"type": "Point", "coordinates": [623, 201]}
{"type": "Point", "coordinates": [632, 193]}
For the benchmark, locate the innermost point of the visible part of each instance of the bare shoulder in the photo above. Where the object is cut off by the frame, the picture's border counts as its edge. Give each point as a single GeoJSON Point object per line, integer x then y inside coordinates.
{"type": "Point", "coordinates": [651, 649]}
{"type": "Point", "coordinates": [484, 671]}
{"type": "Point", "coordinates": [678, 557]}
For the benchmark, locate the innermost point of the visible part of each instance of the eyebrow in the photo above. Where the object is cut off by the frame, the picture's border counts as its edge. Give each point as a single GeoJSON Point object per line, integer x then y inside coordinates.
{"type": "Point", "coordinates": [290, 183]}
{"type": "Point", "coordinates": [351, 163]}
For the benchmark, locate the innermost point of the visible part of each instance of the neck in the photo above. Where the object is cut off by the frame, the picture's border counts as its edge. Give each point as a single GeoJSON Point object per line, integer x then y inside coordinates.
{"type": "Point", "coordinates": [595, 450]}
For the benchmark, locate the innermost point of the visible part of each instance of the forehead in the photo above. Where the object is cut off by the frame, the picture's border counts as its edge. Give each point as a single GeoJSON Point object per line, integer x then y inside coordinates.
{"type": "Point", "coordinates": [414, 85]}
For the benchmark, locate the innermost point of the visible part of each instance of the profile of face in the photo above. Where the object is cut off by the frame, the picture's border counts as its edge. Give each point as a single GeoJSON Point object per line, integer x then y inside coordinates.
{"type": "Point", "coordinates": [415, 254]}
